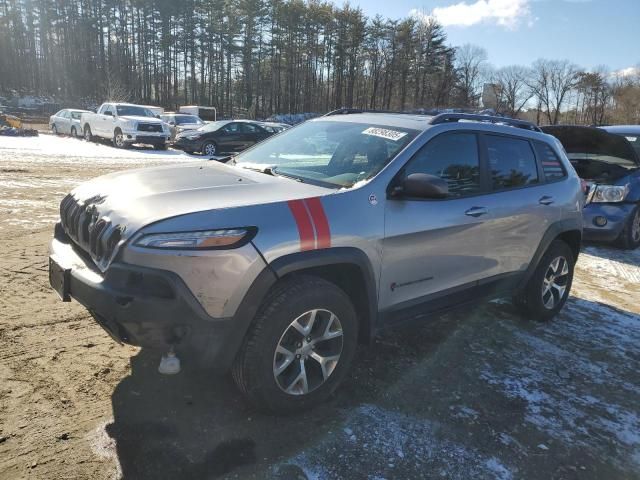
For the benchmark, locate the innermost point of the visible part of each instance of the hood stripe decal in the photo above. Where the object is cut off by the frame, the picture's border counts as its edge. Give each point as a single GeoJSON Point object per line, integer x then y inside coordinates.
{"type": "Point", "coordinates": [305, 228]}
{"type": "Point", "coordinates": [312, 223]}
{"type": "Point", "coordinates": [323, 239]}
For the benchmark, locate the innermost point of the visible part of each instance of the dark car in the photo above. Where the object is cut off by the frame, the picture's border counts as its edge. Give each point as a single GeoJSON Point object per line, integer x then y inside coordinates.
{"type": "Point", "coordinates": [610, 166]}
{"type": "Point", "coordinates": [630, 132]}
{"type": "Point", "coordinates": [222, 137]}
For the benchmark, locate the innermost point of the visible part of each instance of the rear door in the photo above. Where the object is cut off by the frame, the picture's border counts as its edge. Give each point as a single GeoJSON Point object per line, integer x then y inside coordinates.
{"type": "Point", "coordinates": [435, 247]}
{"type": "Point", "coordinates": [522, 206]}
{"type": "Point", "coordinates": [252, 134]}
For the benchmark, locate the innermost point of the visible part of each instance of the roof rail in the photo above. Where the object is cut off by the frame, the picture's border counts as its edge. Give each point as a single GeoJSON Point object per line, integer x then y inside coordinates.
{"type": "Point", "coordinates": [455, 117]}
{"type": "Point", "coordinates": [348, 111]}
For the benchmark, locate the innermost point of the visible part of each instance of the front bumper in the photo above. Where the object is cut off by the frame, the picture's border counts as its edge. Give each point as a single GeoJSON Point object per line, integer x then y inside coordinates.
{"type": "Point", "coordinates": [184, 143]}
{"type": "Point", "coordinates": [150, 138]}
{"type": "Point", "coordinates": [616, 215]}
{"type": "Point", "coordinates": [147, 307]}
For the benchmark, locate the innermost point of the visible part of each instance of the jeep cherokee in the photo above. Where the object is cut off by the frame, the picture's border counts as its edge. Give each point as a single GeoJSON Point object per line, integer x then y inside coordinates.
{"type": "Point", "coordinates": [276, 264]}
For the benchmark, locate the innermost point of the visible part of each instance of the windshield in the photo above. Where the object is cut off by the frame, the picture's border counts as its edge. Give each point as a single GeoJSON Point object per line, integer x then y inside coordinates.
{"type": "Point", "coordinates": [187, 119]}
{"type": "Point", "coordinates": [335, 154]}
{"type": "Point", "coordinates": [634, 140]}
{"type": "Point", "coordinates": [212, 126]}
{"type": "Point", "coordinates": [133, 111]}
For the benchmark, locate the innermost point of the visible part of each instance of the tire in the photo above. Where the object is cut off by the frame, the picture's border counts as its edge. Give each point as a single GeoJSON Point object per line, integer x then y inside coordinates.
{"type": "Point", "coordinates": [272, 381]}
{"type": "Point", "coordinates": [629, 238]}
{"type": "Point", "coordinates": [54, 129]}
{"type": "Point", "coordinates": [209, 149]}
{"type": "Point", "coordinates": [74, 132]}
{"type": "Point", "coordinates": [161, 146]}
{"type": "Point", "coordinates": [87, 134]}
{"type": "Point", "coordinates": [118, 139]}
{"type": "Point", "coordinates": [547, 290]}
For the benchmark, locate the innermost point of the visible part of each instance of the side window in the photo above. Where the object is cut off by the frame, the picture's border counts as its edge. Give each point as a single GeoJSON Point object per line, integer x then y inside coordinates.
{"type": "Point", "coordinates": [231, 128]}
{"type": "Point", "coordinates": [250, 128]}
{"type": "Point", "coordinates": [453, 157]}
{"type": "Point", "coordinates": [59, 114]}
{"type": "Point", "coordinates": [551, 164]}
{"type": "Point", "coordinates": [511, 162]}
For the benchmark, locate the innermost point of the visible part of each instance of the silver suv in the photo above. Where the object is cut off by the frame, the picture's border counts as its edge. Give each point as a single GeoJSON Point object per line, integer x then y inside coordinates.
{"type": "Point", "coordinates": [277, 263]}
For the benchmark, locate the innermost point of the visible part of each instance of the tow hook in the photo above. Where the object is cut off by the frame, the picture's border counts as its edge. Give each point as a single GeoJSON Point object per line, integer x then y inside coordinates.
{"type": "Point", "coordinates": [169, 363]}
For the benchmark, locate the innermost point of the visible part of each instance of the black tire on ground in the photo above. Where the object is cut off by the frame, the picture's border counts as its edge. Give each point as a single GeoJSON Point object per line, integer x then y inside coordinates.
{"type": "Point", "coordinates": [189, 152]}
{"type": "Point", "coordinates": [74, 132]}
{"type": "Point", "coordinates": [54, 129]}
{"type": "Point", "coordinates": [161, 146]}
{"type": "Point", "coordinates": [209, 149]}
{"type": "Point", "coordinates": [548, 289]}
{"type": "Point", "coordinates": [87, 134]}
{"type": "Point", "coordinates": [630, 236]}
{"type": "Point", "coordinates": [291, 300]}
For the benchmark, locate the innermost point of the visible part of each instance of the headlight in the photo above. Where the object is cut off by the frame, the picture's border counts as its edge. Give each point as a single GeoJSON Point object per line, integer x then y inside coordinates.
{"type": "Point", "coordinates": [201, 240]}
{"type": "Point", "coordinates": [609, 193]}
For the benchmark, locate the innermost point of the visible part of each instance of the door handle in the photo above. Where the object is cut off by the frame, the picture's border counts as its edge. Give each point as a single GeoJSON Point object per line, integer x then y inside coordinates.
{"type": "Point", "coordinates": [476, 211]}
{"type": "Point", "coordinates": [546, 200]}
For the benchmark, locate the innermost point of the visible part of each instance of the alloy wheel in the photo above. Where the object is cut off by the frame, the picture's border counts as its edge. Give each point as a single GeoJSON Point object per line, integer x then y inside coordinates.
{"type": "Point", "coordinates": [119, 140]}
{"type": "Point", "coordinates": [308, 352]}
{"type": "Point", "coordinates": [554, 283]}
{"type": "Point", "coordinates": [210, 149]}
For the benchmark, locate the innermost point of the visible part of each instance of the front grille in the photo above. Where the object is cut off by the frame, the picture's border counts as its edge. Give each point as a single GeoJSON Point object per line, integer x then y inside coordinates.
{"type": "Point", "coordinates": [94, 234]}
{"type": "Point", "coordinates": [149, 127]}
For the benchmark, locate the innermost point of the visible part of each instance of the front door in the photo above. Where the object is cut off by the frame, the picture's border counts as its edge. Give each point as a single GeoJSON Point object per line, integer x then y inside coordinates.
{"type": "Point", "coordinates": [434, 247]}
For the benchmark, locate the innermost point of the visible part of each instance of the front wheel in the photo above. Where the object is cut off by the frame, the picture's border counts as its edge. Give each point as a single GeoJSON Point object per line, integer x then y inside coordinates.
{"type": "Point", "coordinates": [54, 129]}
{"type": "Point", "coordinates": [547, 290]}
{"type": "Point", "coordinates": [299, 347]}
{"type": "Point", "coordinates": [118, 139]}
{"type": "Point", "coordinates": [161, 146]}
{"type": "Point", "coordinates": [74, 132]}
{"type": "Point", "coordinates": [630, 236]}
{"type": "Point", "coordinates": [209, 149]}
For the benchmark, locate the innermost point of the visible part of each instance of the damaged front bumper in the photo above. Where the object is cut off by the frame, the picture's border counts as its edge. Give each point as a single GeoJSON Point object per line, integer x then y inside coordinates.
{"type": "Point", "coordinates": [146, 307]}
{"type": "Point", "coordinates": [604, 222]}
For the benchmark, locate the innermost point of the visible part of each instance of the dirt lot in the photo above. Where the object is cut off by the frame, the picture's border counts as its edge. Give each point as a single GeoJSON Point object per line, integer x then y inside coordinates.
{"type": "Point", "coordinates": [481, 393]}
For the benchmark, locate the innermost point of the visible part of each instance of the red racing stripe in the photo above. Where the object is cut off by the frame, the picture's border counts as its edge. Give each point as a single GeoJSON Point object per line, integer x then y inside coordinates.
{"type": "Point", "coordinates": [305, 229]}
{"type": "Point", "coordinates": [320, 221]}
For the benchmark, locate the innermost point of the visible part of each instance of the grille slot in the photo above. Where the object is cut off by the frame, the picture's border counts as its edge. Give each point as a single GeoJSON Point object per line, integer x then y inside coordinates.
{"type": "Point", "coordinates": [92, 233]}
{"type": "Point", "coordinates": [149, 127]}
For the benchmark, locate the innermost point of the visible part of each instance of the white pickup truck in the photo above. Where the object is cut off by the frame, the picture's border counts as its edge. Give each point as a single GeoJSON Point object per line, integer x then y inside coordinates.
{"type": "Point", "coordinates": [125, 124]}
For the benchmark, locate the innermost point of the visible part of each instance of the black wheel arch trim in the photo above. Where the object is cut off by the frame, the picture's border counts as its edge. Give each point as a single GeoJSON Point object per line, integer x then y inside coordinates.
{"type": "Point", "coordinates": [555, 230]}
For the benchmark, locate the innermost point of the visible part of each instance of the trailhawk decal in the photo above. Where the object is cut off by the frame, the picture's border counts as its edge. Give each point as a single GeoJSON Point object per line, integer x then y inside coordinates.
{"type": "Point", "coordinates": [313, 226]}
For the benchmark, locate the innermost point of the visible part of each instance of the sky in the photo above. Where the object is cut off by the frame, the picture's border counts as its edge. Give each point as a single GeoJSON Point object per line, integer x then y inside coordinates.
{"type": "Point", "coordinates": [589, 33]}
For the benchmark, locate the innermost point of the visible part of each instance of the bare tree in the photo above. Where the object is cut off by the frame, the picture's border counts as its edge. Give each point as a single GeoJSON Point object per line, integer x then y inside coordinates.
{"type": "Point", "coordinates": [551, 83]}
{"type": "Point", "coordinates": [511, 89]}
{"type": "Point", "coordinates": [470, 63]}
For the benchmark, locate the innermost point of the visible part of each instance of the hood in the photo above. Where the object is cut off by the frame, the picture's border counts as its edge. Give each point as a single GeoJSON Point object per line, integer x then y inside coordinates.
{"type": "Point", "coordinates": [592, 141]}
{"type": "Point", "coordinates": [136, 118]}
{"type": "Point", "coordinates": [188, 126]}
{"type": "Point", "coordinates": [130, 200]}
{"type": "Point", "coordinates": [596, 155]}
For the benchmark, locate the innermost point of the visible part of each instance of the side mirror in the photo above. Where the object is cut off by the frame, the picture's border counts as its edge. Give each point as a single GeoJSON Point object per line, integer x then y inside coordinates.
{"type": "Point", "coordinates": [158, 116]}
{"type": "Point", "coordinates": [422, 185]}
{"type": "Point", "coordinates": [108, 114]}
{"type": "Point", "coordinates": [173, 124]}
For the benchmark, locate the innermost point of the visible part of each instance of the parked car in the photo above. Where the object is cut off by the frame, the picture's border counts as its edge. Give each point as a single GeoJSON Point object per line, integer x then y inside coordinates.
{"type": "Point", "coordinates": [67, 122]}
{"type": "Point", "coordinates": [275, 127]}
{"type": "Point", "coordinates": [223, 136]}
{"type": "Point", "coordinates": [277, 263]}
{"type": "Point", "coordinates": [611, 167]}
{"type": "Point", "coordinates": [180, 122]}
{"type": "Point", "coordinates": [125, 124]}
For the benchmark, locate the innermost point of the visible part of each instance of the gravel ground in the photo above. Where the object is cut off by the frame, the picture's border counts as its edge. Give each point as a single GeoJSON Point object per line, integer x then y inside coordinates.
{"type": "Point", "coordinates": [480, 393]}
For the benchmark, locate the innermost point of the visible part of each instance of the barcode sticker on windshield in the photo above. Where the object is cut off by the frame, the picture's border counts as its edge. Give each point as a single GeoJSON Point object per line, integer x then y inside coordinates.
{"type": "Point", "coordinates": [384, 133]}
{"type": "Point", "coordinates": [631, 139]}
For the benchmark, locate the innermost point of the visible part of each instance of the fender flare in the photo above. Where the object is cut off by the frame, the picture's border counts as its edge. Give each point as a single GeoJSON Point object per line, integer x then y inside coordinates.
{"type": "Point", "coordinates": [556, 229]}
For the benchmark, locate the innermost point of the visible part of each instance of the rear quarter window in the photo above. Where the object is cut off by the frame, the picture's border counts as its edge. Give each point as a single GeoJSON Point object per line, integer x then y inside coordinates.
{"type": "Point", "coordinates": [551, 164]}
{"type": "Point", "coordinates": [512, 163]}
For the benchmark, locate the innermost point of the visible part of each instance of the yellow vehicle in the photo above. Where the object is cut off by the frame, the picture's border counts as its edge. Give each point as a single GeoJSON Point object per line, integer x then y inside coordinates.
{"type": "Point", "coordinates": [10, 121]}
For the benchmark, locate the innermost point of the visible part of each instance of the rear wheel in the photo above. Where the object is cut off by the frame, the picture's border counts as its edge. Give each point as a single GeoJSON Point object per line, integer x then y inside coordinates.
{"type": "Point", "coordinates": [74, 132]}
{"type": "Point", "coordinates": [299, 347]}
{"type": "Point", "coordinates": [87, 134]}
{"type": "Point", "coordinates": [630, 236]}
{"type": "Point", "coordinates": [547, 290]}
{"type": "Point", "coordinates": [209, 149]}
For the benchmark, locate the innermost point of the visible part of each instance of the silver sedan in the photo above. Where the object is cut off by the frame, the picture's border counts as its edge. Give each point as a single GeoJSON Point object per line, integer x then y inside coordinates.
{"type": "Point", "coordinates": [66, 122]}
